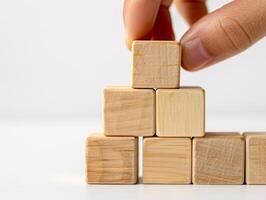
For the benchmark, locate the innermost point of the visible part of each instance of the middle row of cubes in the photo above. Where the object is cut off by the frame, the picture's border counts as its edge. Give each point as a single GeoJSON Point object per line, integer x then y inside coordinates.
{"type": "Point", "coordinates": [144, 112]}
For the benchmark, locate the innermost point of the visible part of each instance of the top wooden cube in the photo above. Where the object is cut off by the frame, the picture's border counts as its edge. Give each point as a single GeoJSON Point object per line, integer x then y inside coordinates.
{"type": "Point", "coordinates": [155, 64]}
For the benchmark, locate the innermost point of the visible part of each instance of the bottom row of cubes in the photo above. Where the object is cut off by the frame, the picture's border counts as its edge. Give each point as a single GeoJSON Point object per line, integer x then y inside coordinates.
{"type": "Point", "coordinates": [216, 158]}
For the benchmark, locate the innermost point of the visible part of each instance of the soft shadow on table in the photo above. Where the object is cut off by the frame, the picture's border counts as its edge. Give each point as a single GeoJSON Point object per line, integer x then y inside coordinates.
{"type": "Point", "coordinates": [187, 192]}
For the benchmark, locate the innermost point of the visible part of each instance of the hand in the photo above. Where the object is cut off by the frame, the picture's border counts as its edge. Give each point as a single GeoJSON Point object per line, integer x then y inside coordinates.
{"type": "Point", "coordinates": [212, 37]}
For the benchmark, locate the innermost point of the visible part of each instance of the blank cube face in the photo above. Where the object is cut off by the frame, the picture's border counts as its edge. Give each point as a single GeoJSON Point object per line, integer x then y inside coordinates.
{"type": "Point", "coordinates": [111, 160]}
{"type": "Point", "coordinates": [155, 64]}
{"type": "Point", "coordinates": [256, 158]}
{"type": "Point", "coordinates": [180, 112]}
{"type": "Point", "coordinates": [167, 160]}
{"type": "Point", "coordinates": [218, 159]}
{"type": "Point", "coordinates": [129, 112]}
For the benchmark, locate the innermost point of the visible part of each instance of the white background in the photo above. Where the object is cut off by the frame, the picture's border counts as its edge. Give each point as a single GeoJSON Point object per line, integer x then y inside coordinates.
{"type": "Point", "coordinates": [55, 58]}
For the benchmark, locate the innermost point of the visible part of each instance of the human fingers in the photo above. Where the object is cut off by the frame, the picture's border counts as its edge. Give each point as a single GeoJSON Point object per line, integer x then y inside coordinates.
{"type": "Point", "coordinates": [223, 33]}
{"type": "Point", "coordinates": [191, 10]}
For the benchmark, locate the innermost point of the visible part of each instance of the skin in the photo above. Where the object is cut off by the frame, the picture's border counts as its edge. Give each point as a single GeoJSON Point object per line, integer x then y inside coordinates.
{"type": "Point", "coordinates": [211, 38]}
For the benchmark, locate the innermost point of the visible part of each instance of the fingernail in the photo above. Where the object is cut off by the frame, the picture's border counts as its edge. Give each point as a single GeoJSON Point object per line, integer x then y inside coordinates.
{"type": "Point", "coordinates": [195, 55]}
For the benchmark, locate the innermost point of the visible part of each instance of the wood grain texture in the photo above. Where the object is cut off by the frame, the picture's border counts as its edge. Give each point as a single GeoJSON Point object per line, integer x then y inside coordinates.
{"type": "Point", "coordinates": [255, 157]}
{"type": "Point", "coordinates": [111, 160]}
{"type": "Point", "coordinates": [155, 64]}
{"type": "Point", "coordinates": [129, 112]}
{"type": "Point", "coordinates": [218, 159]}
{"type": "Point", "coordinates": [180, 112]}
{"type": "Point", "coordinates": [167, 160]}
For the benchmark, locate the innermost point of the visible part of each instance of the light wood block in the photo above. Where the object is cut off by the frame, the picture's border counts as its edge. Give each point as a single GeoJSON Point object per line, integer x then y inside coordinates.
{"type": "Point", "coordinates": [111, 160]}
{"type": "Point", "coordinates": [167, 160]}
{"type": "Point", "coordinates": [218, 159]}
{"type": "Point", "coordinates": [129, 112]}
{"type": "Point", "coordinates": [255, 157]}
{"type": "Point", "coordinates": [180, 112]}
{"type": "Point", "coordinates": [155, 64]}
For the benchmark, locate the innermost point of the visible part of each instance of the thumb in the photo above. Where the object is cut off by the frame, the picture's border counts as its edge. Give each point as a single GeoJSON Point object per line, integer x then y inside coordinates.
{"type": "Point", "coordinates": [223, 33]}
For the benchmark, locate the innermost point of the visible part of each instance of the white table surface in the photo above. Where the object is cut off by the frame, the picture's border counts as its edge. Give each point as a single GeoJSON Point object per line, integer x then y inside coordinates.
{"type": "Point", "coordinates": [45, 160]}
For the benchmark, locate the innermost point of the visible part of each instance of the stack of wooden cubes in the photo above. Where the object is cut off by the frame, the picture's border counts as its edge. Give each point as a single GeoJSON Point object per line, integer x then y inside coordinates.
{"type": "Point", "coordinates": [171, 120]}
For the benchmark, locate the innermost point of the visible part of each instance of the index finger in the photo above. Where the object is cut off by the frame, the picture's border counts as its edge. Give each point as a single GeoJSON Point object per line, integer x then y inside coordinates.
{"type": "Point", "coordinates": [139, 18]}
{"type": "Point", "coordinates": [191, 10]}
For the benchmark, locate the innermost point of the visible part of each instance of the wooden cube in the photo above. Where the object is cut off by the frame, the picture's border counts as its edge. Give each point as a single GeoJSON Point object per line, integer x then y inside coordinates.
{"type": "Point", "coordinates": [129, 112]}
{"type": "Point", "coordinates": [255, 157]}
{"type": "Point", "coordinates": [155, 64]}
{"type": "Point", "coordinates": [218, 159]}
{"type": "Point", "coordinates": [180, 112]}
{"type": "Point", "coordinates": [111, 160]}
{"type": "Point", "coordinates": [167, 160]}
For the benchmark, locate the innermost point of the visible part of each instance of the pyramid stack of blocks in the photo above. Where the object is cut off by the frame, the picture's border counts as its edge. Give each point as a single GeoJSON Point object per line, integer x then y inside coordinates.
{"type": "Point", "coordinates": [171, 120]}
